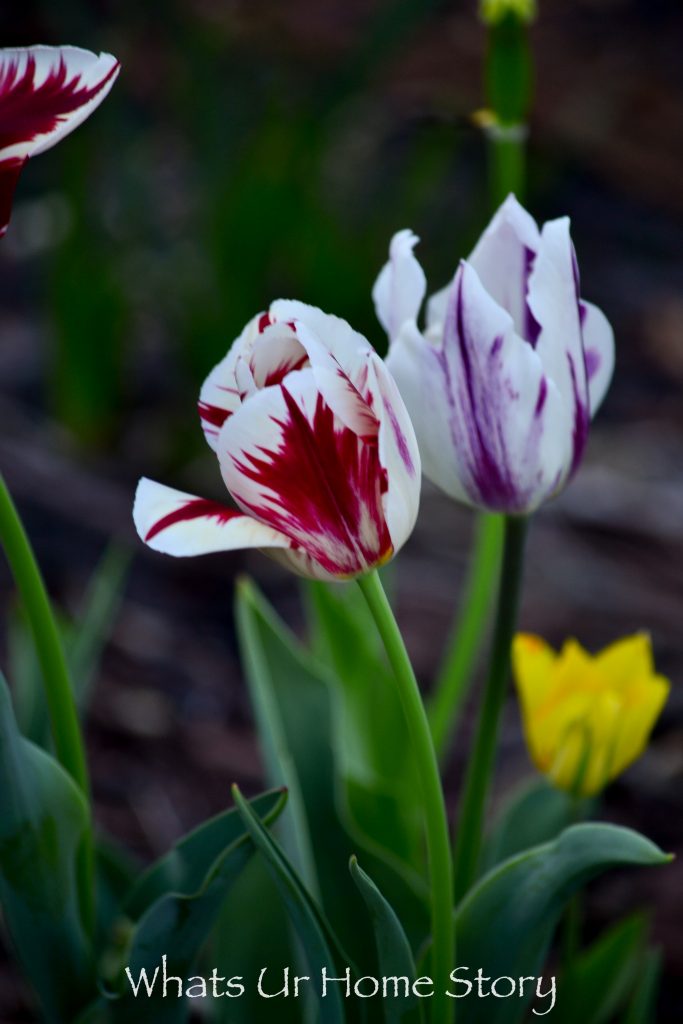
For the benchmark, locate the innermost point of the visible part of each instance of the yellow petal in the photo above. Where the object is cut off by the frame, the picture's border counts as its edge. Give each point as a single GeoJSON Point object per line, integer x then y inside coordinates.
{"type": "Point", "coordinates": [644, 702]}
{"type": "Point", "coordinates": [625, 660]}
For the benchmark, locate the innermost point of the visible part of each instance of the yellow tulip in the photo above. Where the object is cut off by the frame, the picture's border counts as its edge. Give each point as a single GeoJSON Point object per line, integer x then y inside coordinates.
{"type": "Point", "coordinates": [587, 717]}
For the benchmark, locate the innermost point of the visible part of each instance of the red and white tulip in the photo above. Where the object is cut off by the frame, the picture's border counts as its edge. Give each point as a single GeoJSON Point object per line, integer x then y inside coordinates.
{"type": "Point", "coordinates": [314, 445]}
{"type": "Point", "coordinates": [45, 92]}
{"type": "Point", "coordinates": [502, 382]}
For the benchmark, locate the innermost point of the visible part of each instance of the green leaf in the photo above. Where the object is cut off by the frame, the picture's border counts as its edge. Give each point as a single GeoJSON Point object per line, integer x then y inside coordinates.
{"type": "Point", "coordinates": [84, 640]}
{"type": "Point", "coordinates": [43, 821]}
{"type": "Point", "coordinates": [293, 703]}
{"type": "Point", "coordinates": [177, 925]}
{"type": "Point", "coordinates": [312, 930]}
{"type": "Point", "coordinates": [184, 868]}
{"type": "Point", "coordinates": [394, 954]}
{"type": "Point", "coordinates": [601, 979]}
{"type": "Point", "coordinates": [92, 627]}
{"type": "Point", "coordinates": [381, 790]}
{"type": "Point", "coordinates": [535, 814]}
{"type": "Point", "coordinates": [253, 928]}
{"type": "Point", "coordinates": [505, 923]}
{"type": "Point", "coordinates": [642, 1008]}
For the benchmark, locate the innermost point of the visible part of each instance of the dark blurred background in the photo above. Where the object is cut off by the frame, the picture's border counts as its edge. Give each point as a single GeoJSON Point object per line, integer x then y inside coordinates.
{"type": "Point", "coordinates": [253, 149]}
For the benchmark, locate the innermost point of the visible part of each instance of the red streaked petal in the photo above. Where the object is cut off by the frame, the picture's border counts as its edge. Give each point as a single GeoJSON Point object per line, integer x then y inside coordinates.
{"type": "Point", "coordinates": [288, 460]}
{"type": "Point", "coordinates": [275, 353]}
{"type": "Point", "coordinates": [180, 524]}
{"type": "Point", "coordinates": [342, 379]}
{"type": "Point", "coordinates": [46, 92]}
{"type": "Point", "coordinates": [221, 394]}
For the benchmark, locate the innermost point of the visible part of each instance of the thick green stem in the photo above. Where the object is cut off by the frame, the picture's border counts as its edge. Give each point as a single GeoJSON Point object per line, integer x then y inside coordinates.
{"type": "Point", "coordinates": [456, 675]}
{"type": "Point", "coordinates": [66, 730]}
{"type": "Point", "coordinates": [436, 822]}
{"type": "Point", "coordinates": [480, 767]}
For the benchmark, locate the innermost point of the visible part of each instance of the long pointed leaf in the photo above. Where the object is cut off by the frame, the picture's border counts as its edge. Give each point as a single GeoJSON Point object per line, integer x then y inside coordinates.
{"type": "Point", "coordinates": [394, 954]}
{"type": "Point", "coordinates": [306, 919]}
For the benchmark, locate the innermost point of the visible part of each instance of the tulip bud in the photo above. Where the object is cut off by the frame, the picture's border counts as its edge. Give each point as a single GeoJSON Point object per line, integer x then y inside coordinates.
{"type": "Point", "coordinates": [587, 718]}
{"type": "Point", "coordinates": [314, 445]}
{"type": "Point", "coordinates": [501, 383]}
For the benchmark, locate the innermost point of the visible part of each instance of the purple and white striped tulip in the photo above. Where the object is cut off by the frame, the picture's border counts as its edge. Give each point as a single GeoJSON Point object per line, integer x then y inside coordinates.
{"type": "Point", "coordinates": [502, 382]}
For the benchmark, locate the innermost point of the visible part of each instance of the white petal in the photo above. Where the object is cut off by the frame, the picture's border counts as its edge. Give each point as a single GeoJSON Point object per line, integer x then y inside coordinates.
{"type": "Point", "coordinates": [598, 345]}
{"type": "Point", "coordinates": [177, 523]}
{"type": "Point", "coordinates": [400, 288]}
{"type": "Point", "coordinates": [554, 301]}
{"type": "Point", "coordinates": [503, 258]}
{"type": "Point", "coordinates": [287, 459]}
{"type": "Point", "coordinates": [437, 304]}
{"type": "Point", "coordinates": [46, 92]}
{"type": "Point", "coordinates": [221, 394]}
{"type": "Point", "coordinates": [398, 453]}
{"type": "Point", "coordinates": [341, 380]}
{"type": "Point", "coordinates": [492, 429]}
{"type": "Point", "coordinates": [336, 334]}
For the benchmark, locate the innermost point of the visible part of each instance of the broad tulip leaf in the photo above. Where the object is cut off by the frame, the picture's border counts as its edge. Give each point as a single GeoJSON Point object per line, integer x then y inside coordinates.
{"type": "Point", "coordinates": [312, 930]}
{"type": "Point", "coordinates": [43, 820]}
{"type": "Point", "coordinates": [602, 978]}
{"type": "Point", "coordinates": [178, 923]}
{"type": "Point", "coordinates": [292, 699]}
{"type": "Point", "coordinates": [253, 929]}
{"type": "Point", "coordinates": [394, 955]}
{"type": "Point", "coordinates": [381, 795]}
{"type": "Point", "coordinates": [505, 923]}
{"type": "Point", "coordinates": [535, 814]}
{"type": "Point", "coordinates": [184, 868]}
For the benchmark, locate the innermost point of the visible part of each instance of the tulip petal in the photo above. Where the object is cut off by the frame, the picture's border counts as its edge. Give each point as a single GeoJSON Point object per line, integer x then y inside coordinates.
{"type": "Point", "coordinates": [598, 343]}
{"type": "Point", "coordinates": [554, 302]}
{"type": "Point", "coordinates": [221, 394]}
{"type": "Point", "coordinates": [180, 524]}
{"type": "Point", "coordinates": [400, 287]}
{"type": "Point", "coordinates": [339, 337]}
{"type": "Point", "coordinates": [399, 454]}
{"type": "Point", "coordinates": [491, 425]}
{"type": "Point", "coordinates": [503, 259]}
{"type": "Point", "coordinates": [45, 92]}
{"type": "Point", "coordinates": [643, 705]}
{"type": "Point", "coordinates": [344, 387]}
{"type": "Point", "coordinates": [289, 461]}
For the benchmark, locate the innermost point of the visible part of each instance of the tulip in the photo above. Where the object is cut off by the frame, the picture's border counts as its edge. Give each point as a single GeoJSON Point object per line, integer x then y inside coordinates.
{"type": "Point", "coordinates": [587, 718]}
{"type": "Point", "coordinates": [511, 365]}
{"type": "Point", "coordinates": [314, 445]}
{"type": "Point", "coordinates": [45, 92]}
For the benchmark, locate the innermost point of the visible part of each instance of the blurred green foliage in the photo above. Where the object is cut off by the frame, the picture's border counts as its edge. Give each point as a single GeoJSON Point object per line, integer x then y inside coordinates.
{"type": "Point", "coordinates": [234, 163]}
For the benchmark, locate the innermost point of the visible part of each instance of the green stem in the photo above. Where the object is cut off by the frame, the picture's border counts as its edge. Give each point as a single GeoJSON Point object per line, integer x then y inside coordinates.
{"type": "Point", "coordinates": [436, 822]}
{"type": "Point", "coordinates": [507, 155]}
{"type": "Point", "coordinates": [66, 731]}
{"type": "Point", "coordinates": [509, 87]}
{"type": "Point", "coordinates": [480, 767]}
{"type": "Point", "coordinates": [456, 674]}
